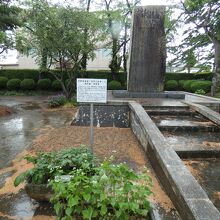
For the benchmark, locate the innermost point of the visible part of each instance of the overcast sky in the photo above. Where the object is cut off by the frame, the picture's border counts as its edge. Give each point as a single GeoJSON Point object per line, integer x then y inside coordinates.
{"type": "Point", "coordinates": [11, 56]}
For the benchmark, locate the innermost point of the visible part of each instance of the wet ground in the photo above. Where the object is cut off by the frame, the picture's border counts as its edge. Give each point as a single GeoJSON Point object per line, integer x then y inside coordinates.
{"type": "Point", "coordinates": [207, 173]}
{"type": "Point", "coordinates": [189, 141]}
{"type": "Point", "coordinates": [33, 127]}
{"type": "Point", "coordinates": [19, 129]}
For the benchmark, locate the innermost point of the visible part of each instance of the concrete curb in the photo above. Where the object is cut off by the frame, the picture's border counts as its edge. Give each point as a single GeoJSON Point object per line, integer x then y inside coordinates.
{"type": "Point", "coordinates": [207, 112]}
{"type": "Point", "coordinates": [187, 195]}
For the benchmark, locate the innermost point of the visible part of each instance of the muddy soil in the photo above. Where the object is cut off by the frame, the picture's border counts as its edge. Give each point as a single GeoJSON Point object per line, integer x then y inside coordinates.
{"type": "Point", "coordinates": [4, 110]}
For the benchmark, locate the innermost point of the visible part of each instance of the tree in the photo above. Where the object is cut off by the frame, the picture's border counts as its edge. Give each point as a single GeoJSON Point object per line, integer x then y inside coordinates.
{"type": "Point", "coordinates": [204, 15]}
{"type": "Point", "coordinates": [57, 32]}
{"type": "Point", "coordinates": [8, 22]}
{"type": "Point", "coordinates": [118, 16]}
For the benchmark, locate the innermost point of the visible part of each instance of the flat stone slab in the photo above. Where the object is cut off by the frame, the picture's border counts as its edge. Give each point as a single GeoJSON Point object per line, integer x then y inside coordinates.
{"type": "Point", "coordinates": [128, 94]}
{"type": "Point", "coordinates": [194, 144]}
{"type": "Point", "coordinates": [207, 112]}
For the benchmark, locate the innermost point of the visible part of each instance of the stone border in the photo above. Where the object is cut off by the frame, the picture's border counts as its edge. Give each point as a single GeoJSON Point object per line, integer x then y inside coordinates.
{"type": "Point", "coordinates": [188, 196]}
{"type": "Point", "coordinates": [128, 94]}
{"type": "Point", "coordinates": [205, 111]}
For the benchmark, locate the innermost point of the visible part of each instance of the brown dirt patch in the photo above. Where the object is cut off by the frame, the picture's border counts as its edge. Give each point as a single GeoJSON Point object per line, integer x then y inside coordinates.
{"type": "Point", "coordinates": [4, 110]}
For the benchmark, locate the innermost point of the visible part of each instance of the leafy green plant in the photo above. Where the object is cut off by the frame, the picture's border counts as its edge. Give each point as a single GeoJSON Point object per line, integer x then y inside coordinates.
{"type": "Point", "coordinates": [57, 101]}
{"type": "Point", "coordinates": [111, 192]}
{"type": "Point", "coordinates": [13, 84]}
{"type": "Point", "coordinates": [49, 165]}
{"type": "Point", "coordinates": [200, 92]}
{"type": "Point", "coordinates": [27, 84]}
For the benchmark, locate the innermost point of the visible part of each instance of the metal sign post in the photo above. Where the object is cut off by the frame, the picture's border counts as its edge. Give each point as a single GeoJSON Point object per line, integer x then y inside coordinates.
{"type": "Point", "coordinates": [91, 91]}
{"type": "Point", "coordinates": [91, 138]}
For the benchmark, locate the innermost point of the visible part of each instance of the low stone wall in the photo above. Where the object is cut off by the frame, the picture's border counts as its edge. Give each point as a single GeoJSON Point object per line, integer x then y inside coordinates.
{"type": "Point", "coordinates": [205, 111]}
{"type": "Point", "coordinates": [187, 195]}
{"type": "Point", "coordinates": [112, 114]}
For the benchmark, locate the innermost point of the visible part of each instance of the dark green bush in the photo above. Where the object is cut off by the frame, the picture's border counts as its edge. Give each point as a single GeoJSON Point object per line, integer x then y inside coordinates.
{"type": "Point", "coordinates": [114, 85]}
{"type": "Point", "coordinates": [13, 84]}
{"type": "Point", "coordinates": [204, 85]}
{"type": "Point", "coordinates": [56, 85]}
{"type": "Point", "coordinates": [187, 85]}
{"type": "Point", "coordinates": [20, 74]}
{"type": "Point", "coordinates": [3, 82]}
{"type": "Point", "coordinates": [181, 83]}
{"type": "Point", "coordinates": [27, 84]}
{"type": "Point", "coordinates": [188, 76]}
{"type": "Point", "coordinates": [171, 85]}
{"type": "Point", "coordinates": [44, 84]}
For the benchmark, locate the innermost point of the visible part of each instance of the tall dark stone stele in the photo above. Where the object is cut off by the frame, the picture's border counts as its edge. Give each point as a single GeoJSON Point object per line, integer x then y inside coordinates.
{"type": "Point", "coordinates": [147, 60]}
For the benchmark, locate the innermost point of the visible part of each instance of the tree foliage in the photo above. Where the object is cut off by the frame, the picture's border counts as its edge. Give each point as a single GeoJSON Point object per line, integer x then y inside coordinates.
{"type": "Point", "coordinates": [57, 33]}
{"type": "Point", "coordinates": [9, 20]}
{"type": "Point", "coordinates": [202, 35]}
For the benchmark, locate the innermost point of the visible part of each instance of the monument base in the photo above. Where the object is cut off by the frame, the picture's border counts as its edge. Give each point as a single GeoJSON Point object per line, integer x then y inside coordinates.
{"type": "Point", "coordinates": [167, 94]}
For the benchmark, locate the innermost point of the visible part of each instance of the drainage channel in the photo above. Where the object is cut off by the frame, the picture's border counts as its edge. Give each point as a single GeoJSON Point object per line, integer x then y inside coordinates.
{"type": "Point", "coordinates": [196, 139]}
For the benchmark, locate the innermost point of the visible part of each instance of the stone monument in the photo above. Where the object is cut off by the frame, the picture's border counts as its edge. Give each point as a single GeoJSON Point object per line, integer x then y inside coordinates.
{"type": "Point", "coordinates": [147, 58]}
{"type": "Point", "coordinates": [147, 55]}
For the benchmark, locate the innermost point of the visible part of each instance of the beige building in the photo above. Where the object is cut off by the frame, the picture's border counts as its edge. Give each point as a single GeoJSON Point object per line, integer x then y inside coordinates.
{"type": "Point", "coordinates": [101, 61]}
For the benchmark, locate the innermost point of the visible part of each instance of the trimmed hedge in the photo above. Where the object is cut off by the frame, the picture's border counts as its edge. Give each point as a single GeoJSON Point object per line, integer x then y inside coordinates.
{"type": "Point", "coordinates": [44, 84]}
{"type": "Point", "coordinates": [187, 85]}
{"type": "Point", "coordinates": [201, 85]}
{"type": "Point", "coordinates": [13, 84]}
{"type": "Point", "coordinates": [3, 82]}
{"type": "Point", "coordinates": [114, 85]}
{"type": "Point", "coordinates": [56, 85]}
{"type": "Point", "coordinates": [27, 84]}
{"type": "Point", "coordinates": [171, 85]}
{"type": "Point", "coordinates": [188, 76]}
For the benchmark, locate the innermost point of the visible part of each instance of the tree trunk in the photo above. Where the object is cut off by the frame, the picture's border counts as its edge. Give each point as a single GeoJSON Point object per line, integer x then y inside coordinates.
{"type": "Point", "coordinates": [114, 65]}
{"type": "Point", "coordinates": [125, 48]}
{"type": "Point", "coordinates": [85, 56]}
{"type": "Point", "coordinates": [216, 77]}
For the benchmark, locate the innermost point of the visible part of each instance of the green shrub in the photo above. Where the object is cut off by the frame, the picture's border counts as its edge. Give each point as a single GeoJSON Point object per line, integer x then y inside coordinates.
{"type": "Point", "coordinates": [114, 85]}
{"type": "Point", "coordinates": [57, 101]}
{"type": "Point", "coordinates": [3, 82]}
{"type": "Point", "coordinates": [181, 83]}
{"type": "Point", "coordinates": [44, 84]}
{"type": "Point", "coordinates": [204, 85]}
{"type": "Point", "coordinates": [56, 85]}
{"type": "Point", "coordinates": [200, 92]}
{"type": "Point", "coordinates": [27, 84]}
{"type": "Point", "coordinates": [13, 84]}
{"type": "Point", "coordinates": [171, 85]}
{"type": "Point", "coordinates": [188, 76]}
{"type": "Point", "coordinates": [20, 74]}
{"type": "Point", "coordinates": [187, 85]}
{"type": "Point", "coordinates": [48, 165]}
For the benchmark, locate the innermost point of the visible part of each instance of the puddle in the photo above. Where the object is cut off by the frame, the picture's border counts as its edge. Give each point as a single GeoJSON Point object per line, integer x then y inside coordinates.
{"type": "Point", "coordinates": [207, 173]}
{"type": "Point", "coordinates": [18, 130]}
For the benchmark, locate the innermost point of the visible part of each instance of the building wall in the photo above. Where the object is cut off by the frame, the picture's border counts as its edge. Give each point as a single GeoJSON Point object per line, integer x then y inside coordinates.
{"type": "Point", "coordinates": [100, 62]}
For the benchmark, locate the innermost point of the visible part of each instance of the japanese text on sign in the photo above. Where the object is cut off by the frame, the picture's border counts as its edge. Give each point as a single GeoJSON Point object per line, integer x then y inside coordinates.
{"type": "Point", "coordinates": [92, 90]}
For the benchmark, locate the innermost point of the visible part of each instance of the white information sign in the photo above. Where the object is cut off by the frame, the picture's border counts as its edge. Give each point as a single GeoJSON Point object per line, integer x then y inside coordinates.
{"type": "Point", "coordinates": [91, 90]}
